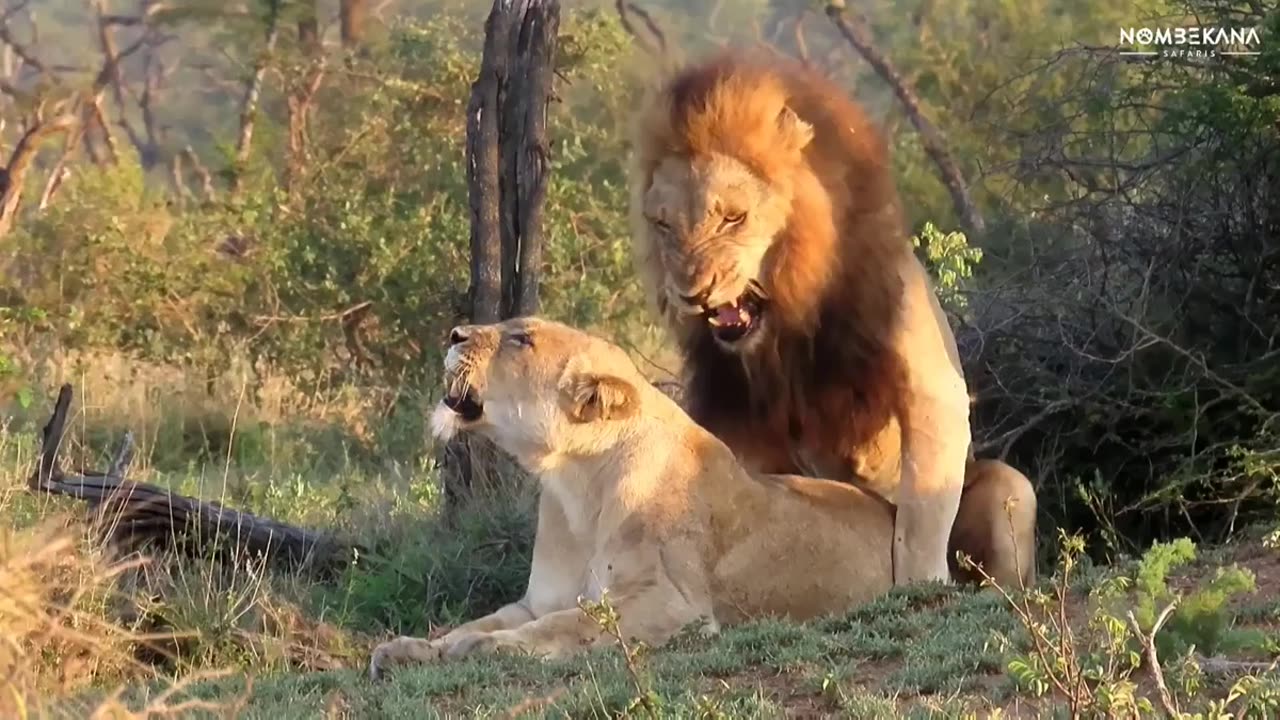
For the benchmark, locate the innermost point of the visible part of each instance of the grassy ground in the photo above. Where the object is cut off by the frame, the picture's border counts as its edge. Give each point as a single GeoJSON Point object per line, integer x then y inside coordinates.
{"type": "Point", "coordinates": [918, 646]}
{"type": "Point", "coordinates": [294, 646]}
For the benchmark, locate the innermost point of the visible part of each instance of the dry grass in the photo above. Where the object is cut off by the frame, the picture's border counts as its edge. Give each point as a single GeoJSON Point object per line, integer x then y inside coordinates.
{"type": "Point", "coordinates": [56, 635]}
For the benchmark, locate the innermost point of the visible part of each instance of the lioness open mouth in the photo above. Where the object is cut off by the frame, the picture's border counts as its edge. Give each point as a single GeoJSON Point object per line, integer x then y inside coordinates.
{"type": "Point", "coordinates": [462, 398]}
{"type": "Point", "coordinates": [732, 322]}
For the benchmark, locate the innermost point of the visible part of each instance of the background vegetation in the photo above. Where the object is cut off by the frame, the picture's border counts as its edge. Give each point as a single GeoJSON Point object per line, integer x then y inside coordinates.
{"type": "Point", "coordinates": [264, 311]}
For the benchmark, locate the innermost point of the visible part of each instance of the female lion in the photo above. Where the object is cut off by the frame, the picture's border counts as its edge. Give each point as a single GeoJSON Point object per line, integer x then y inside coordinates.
{"type": "Point", "coordinates": [638, 500]}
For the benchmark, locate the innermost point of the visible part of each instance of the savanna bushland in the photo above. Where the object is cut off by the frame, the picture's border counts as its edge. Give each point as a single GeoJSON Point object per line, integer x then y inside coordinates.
{"type": "Point", "coordinates": [240, 231]}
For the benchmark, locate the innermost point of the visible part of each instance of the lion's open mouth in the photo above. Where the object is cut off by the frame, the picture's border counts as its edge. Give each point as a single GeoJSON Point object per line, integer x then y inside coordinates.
{"type": "Point", "coordinates": [732, 322]}
{"type": "Point", "coordinates": [462, 398]}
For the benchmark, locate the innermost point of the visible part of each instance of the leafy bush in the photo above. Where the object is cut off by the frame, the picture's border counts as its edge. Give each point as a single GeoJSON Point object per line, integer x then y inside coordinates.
{"type": "Point", "coordinates": [950, 260]}
{"type": "Point", "coordinates": [1092, 662]}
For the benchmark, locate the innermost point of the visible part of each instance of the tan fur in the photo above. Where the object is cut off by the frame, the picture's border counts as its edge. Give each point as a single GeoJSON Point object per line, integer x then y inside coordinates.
{"type": "Point", "coordinates": [637, 499]}
{"type": "Point", "coordinates": [995, 526]}
{"type": "Point", "coordinates": [752, 174]}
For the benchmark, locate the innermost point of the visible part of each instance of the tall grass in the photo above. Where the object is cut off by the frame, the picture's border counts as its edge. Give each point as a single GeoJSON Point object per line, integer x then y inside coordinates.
{"type": "Point", "coordinates": [256, 444]}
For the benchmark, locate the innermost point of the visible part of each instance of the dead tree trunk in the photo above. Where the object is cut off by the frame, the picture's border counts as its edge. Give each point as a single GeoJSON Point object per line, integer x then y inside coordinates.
{"type": "Point", "coordinates": [507, 151]}
{"type": "Point", "coordinates": [856, 31]}
{"type": "Point", "coordinates": [523, 181]}
{"type": "Point", "coordinates": [129, 514]}
{"type": "Point", "coordinates": [483, 170]}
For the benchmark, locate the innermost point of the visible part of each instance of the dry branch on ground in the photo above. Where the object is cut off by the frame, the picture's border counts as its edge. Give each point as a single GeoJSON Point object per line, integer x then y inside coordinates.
{"type": "Point", "coordinates": [131, 514]}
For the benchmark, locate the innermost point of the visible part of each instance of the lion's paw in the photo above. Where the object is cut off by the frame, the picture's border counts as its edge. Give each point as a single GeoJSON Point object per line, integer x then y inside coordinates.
{"type": "Point", "coordinates": [403, 650]}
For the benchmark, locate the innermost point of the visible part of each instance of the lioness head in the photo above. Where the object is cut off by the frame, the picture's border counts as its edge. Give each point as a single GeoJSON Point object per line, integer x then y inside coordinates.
{"type": "Point", "coordinates": [537, 388]}
{"type": "Point", "coordinates": [716, 195]}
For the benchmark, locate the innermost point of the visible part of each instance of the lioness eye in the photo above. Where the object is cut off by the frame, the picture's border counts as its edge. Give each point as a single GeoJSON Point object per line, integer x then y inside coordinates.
{"type": "Point", "coordinates": [520, 340]}
{"type": "Point", "coordinates": [734, 218]}
{"type": "Point", "coordinates": [660, 224]}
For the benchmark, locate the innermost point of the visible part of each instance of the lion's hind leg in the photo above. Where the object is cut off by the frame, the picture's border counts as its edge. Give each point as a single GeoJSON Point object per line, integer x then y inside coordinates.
{"type": "Point", "coordinates": [996, 525]}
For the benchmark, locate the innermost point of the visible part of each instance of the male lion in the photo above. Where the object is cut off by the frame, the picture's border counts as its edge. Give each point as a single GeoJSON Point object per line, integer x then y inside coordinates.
{"type": "Point", "coordinates": [769, 234]}
{"type": "Point", "coordinates": [639, 499]}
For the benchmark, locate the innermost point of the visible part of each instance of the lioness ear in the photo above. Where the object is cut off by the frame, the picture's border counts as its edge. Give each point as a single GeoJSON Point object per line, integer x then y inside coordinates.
{"type": "Point", "coordinates": [587, 398]}
{"type": "Point", "coordinates": [797, 132]}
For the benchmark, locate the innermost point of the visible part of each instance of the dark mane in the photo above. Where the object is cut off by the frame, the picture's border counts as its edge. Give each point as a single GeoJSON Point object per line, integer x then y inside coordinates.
{"type": "Point", "coordinates": [826, 377]}
{"type": "Point", "coordinates": [812, 391]}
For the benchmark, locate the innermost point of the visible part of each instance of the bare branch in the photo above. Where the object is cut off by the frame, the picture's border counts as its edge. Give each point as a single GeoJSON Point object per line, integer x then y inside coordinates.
{"type": "Point", "coordinates": [202, 172]}
{"type": "Point", "coordinates": [150, 10]}
{"type": "Point", "coordinates": [176, 177]}
{"type": "Point", "coordinates": [108, 138]}
{"type": "Point", "coordinates": [20, 49]}
{"type": "Point", "coordinates": [60, 170]}
{"type": "Point", "coordinates": [656, 43]}
{"type": "Point", "coordinates": [252, 94]}
{"type": "Point", "coordinates": [301, 97]}
{"type": "Point", "coordinates": [854, 28]}
{"type": "Point", "coordinates": [110, 76]}
{"type": "Point", "coordinates": [24, 152]}
{"type": "Point", "coordinates": [1006, 440]}
{"type": "Point", "coordinates": [1153, 662]}
{"type": "Point", "coordinates": [802, 46]}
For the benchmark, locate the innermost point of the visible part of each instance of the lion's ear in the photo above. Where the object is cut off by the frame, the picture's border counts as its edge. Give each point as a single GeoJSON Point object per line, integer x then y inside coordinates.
{"type": "Point", "coordinates": [587, 398]}
{"type": "Point", "coordinates": [796, 131]}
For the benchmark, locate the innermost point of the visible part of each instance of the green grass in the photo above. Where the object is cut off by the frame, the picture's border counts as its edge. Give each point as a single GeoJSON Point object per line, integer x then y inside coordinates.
{"type": "Point", "coordinates": [906, 645]}
{"type": "Point", "coordinates": [296, 645]}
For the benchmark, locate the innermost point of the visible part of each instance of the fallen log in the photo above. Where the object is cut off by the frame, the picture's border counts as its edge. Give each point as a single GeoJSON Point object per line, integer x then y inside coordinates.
{"type": "Point", "coordinates": [131, 514]}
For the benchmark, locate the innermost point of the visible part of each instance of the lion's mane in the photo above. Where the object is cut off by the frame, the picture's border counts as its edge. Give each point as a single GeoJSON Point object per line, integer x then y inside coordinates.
{"type": "Point", "coordinates": [826, 377]}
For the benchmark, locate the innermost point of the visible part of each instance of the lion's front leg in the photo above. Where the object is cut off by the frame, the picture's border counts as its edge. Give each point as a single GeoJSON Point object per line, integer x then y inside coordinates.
{"type": "Point", "coordinates": [412, 650]}
{"type": "Point", "coordinates": [934, 418]}
{"type": "Point", "coordinates": [556, 634]}
{"type": "Point", "coordinates": [651, 616]}
{"type": "Point", "coordinates": [935, 444]}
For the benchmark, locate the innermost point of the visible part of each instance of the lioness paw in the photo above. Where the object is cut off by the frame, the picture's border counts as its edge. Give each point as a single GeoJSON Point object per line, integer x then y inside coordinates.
{"type": "Point", "coordinates": [401, 651]}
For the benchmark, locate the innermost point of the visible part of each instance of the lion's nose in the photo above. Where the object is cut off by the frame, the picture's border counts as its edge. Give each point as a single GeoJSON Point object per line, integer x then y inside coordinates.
{"type": "Point", "coordinates": [459, 335]}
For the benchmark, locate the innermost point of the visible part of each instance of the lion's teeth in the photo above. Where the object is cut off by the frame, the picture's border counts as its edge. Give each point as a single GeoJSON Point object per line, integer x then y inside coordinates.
{"type": "Point", "coordinates": [715, 321]}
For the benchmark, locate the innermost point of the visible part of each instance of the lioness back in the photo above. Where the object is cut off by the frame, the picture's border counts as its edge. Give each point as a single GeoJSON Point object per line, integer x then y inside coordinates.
{"type": "Point", "coordinates": [803, 547]}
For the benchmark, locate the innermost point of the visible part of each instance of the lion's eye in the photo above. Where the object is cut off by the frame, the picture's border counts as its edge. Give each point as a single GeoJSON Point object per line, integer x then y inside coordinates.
{"type": "Point", "coordinates": [520, 340]}
{"type": "Point", "coordinates": [660, 224]}
{"type": "Point", "coordinates": [732, 219]}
